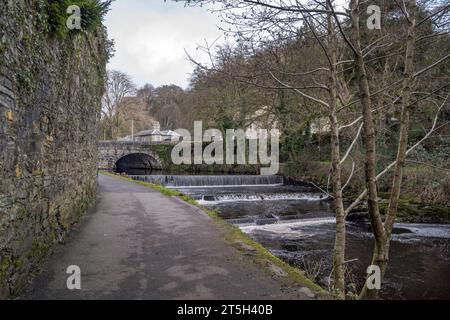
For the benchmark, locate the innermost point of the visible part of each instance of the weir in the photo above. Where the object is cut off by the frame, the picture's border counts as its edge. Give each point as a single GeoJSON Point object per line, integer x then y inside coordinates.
{"type": "Point", "coordinates": [179, 181]}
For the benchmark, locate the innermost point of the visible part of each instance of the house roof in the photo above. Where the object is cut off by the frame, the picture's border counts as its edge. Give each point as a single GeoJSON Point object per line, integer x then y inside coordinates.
{"type": "Point", "coordinates": [169, 133]}
{"type": "Point", "coordinates": [148, 133]}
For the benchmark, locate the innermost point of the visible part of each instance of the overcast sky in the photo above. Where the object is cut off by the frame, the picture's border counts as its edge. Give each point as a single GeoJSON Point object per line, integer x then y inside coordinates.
{"type": "Point", "coordinates": [151, 36]}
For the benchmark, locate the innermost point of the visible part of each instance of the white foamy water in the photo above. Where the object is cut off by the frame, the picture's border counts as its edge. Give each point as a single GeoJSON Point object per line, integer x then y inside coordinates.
{"type": "Point", "coordinates": [288, 230]}
{"type": "Point", "coordinates": [225, 186]}
{"type": "Point", "coordinates": [425, 230]}
{"type": "Point", "coordinates": [298, 229]}
{"type": "Point", "coordinates": [261, 197]}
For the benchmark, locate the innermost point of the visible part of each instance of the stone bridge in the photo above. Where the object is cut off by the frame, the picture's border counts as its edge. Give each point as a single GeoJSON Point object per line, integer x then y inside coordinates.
{"type": "Point", "coordinates": [153, 155]}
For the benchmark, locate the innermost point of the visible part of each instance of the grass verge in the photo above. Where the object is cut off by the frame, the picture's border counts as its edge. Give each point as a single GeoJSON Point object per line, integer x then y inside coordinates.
{"type": "Point", "coordinates": [241, 241]}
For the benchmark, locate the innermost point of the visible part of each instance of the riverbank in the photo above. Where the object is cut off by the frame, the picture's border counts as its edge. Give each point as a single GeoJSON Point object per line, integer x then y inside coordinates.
{"type": "Point", "coordinates": [425, 194]}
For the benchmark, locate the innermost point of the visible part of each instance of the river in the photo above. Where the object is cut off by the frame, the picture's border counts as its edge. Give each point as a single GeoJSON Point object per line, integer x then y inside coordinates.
{"type": "Point", "coordinates": [296, 223]}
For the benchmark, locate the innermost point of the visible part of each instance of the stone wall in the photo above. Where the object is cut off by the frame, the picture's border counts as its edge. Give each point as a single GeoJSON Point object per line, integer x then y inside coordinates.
{"type": "Point", "coordinates": [50, 91]}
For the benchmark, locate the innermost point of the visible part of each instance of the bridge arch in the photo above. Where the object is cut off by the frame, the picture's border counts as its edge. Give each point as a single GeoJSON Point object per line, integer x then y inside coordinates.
{"type": "Point", "coordinates": [111, 153]}
{"type": "Point", "coordinates": [136, 160]}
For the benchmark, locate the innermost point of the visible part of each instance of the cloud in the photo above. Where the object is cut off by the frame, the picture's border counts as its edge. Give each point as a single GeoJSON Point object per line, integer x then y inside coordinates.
{"type": "Point", "coordinates": [151, 37]}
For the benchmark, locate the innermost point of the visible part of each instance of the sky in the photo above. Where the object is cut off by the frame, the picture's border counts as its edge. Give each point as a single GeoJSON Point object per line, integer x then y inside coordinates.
{"type": "Point", "coordinates": [151, 36]}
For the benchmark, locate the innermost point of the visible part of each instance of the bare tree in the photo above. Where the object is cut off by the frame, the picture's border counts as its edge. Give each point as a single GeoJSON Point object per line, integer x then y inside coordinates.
{"type": "Point", "coordinates": [118, 86]}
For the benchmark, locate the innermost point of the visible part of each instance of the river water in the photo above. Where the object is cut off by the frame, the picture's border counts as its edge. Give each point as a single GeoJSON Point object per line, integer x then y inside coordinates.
{"type": "Point", "coordinates": [296, 223]}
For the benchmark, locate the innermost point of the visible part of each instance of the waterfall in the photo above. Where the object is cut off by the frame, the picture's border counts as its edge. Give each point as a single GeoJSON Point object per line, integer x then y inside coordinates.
{"type": "Point", "coordinates": [179, 181]}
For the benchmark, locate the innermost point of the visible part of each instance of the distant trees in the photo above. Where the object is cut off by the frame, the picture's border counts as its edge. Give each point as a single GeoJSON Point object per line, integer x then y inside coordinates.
{"type": "Point", "coordinates": [166, 104]}
{"type": "Point", "coordinates": [123, 103]}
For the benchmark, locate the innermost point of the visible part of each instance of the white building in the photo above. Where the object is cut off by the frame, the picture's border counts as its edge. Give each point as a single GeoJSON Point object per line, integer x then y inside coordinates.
{"type": "Point", "coordinates": [169, 135]}
{"type": "Point", "coordinates": [148, 136]}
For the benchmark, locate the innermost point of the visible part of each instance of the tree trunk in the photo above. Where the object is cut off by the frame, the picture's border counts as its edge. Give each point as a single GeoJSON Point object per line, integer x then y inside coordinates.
{"type": "Point", "coordinates": [408, 84]}
{"type": "Point", "coordinates": [369, 140]}
{"type": "Point", "coordinates": [382, 250]}
{"type": "Point", "coordinates": [339, 244]}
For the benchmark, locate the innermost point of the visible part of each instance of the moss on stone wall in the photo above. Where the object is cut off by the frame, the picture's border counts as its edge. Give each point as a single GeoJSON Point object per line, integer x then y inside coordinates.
{"type": "Point", "coordinates": [50, 99]}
